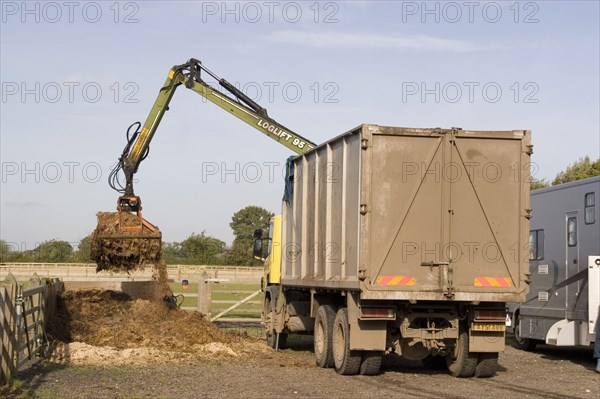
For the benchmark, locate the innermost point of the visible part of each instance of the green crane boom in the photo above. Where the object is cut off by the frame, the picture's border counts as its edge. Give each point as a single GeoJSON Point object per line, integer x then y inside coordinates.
{"type": "Point", "coordinates": [237, 103]}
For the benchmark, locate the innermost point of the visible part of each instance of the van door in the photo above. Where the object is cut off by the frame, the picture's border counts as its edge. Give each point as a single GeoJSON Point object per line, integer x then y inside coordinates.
{"type": "Point", "coordinates": [573, 289]}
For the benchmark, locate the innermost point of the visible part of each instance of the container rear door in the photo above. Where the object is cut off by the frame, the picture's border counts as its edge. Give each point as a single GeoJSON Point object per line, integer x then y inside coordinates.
{"type": "Point", "coordinates": [405, 197]}
{"type": "Point", "coordinates": [488, 202]}
{"type": "Point", "coordinates": [446, 213]}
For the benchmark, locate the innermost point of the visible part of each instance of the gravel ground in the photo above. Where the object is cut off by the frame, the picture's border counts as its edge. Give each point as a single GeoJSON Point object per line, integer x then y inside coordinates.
{"type": "Point", "coordinates": [549, 372]}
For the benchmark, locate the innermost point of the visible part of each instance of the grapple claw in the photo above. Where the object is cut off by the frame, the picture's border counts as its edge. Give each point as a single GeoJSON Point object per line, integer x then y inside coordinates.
{"type": "Point", "coordinates": [124, 240]}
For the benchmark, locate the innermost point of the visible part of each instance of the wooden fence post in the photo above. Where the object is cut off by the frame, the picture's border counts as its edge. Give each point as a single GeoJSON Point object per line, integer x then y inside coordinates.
{"type": "Point", "coordinates": [204, 295]}
{"type": "Point", "coordinates": [54, 288]}
{"type": "Point", "coordinates": [3, 336]}
{"type": "Point", "coordinates": [8, 295]}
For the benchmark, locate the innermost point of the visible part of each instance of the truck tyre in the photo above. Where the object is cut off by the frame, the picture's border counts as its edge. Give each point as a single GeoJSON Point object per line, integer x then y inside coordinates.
{"type": "Point", "coordinates": [323, 336]}
{"type": "Point", "coordinates": [371, 362]}
{"type": "Point", "coordinates": [461, 363]}
{"type": "Point", "coordinates": [487, 365]}
{"type": "Point", "coordinates": [525, 344]}
{"type": "Point", "coordinates": [346, 362]}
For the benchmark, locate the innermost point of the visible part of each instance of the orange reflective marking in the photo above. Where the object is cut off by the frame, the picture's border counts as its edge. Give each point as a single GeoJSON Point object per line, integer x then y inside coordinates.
{"type": "Point", "coordinates": [395, 280]}
{"type": "Point", "coordinates": [492, 282]}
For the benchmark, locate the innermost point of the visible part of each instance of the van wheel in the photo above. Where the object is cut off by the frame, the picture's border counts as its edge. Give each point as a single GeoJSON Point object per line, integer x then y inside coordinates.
{"type": "Point", "coordinates": [371, 362]}
{"type": "Point", "coordinates": [461, 363]}
{"type": "Point", "coordinates": [323, 336]}
{"type": "Point", "coordinates": [487, 365]}
{"type": "Point", "coordinates": [346, 362]}
{"type": "Point", "coordinates": [525, 344]}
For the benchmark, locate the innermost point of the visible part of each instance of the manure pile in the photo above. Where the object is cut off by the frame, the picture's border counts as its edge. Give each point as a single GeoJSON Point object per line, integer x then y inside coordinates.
{"type": "Point", "coordinates": [105, 327]}
{"type": "Point", "coordinates": [111, 318]}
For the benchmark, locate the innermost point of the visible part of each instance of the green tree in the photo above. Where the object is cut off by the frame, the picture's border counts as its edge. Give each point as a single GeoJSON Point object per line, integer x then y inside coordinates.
{"type": "Point", "coordinates": [10, 252]}
{"type": "Point", "coordinates": [171, 253]}
{"type": "Point", "coordinates": [53, 251]}
{"type": "Point", "coordinates": [243, 223]}
{"type": "Point", "coordinates": [83, 253]}
{"type": "Point", "coordinates": [5, 251]}
{"type": "Point", "coordinates": [200, 249]}
{"type": "Point", "coordinates": [581, 169]}
{"type": "Point", "coordinates": [537, 184]}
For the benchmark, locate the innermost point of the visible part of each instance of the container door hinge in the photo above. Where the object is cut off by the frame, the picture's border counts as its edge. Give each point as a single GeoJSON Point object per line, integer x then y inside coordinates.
{"type": "Point", "coordinates": [364, 144]}
{"type": "Point", "coordinates": [529, 150]}
{"type": "Point", "coordinates": [363, 209]}
{"type": "Point", "coordinates": [362, 273]}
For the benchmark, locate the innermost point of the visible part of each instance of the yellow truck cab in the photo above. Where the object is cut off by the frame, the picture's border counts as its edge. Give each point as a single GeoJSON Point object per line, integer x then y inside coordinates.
{"type": "Point", "coordinates": [272, 274]}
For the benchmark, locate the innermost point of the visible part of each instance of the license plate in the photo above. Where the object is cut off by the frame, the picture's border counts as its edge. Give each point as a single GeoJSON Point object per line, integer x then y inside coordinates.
{"type": "Point", "coordinates": [488, 327]}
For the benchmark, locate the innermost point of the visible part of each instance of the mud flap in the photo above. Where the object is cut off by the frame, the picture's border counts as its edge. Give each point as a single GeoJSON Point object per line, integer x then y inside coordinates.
{"type": "Point", "coordinates": [486, 341]}
{"type": "Point", "coordinates": [280, 307]}
{"type": "Point", "coordinates": [367, 335]}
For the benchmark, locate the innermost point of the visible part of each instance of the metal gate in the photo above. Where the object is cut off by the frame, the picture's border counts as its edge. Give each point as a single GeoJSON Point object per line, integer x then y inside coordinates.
{"type": "Point", "coordinates": [24, 313]}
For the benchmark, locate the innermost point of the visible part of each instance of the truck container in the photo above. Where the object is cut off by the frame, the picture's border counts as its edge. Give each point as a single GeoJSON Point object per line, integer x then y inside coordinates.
{"type": "Point", "coordinates": [563, 302]}
{"type": "Point", "coordinates": [401, 240]}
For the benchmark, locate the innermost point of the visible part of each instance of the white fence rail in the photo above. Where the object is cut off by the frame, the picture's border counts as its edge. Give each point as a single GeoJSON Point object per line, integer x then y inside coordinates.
{"type": "Point", "coordinates": [87, 272]}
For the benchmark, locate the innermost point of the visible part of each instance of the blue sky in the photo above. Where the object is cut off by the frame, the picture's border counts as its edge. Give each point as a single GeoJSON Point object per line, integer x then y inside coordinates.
{"type": "Point", "coordinates": [75, 76]}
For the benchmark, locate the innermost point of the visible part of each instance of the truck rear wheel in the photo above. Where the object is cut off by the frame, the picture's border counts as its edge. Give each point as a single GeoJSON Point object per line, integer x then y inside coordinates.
{"type": "Point", "coordinates": [323, 336]}
{"type": "Point", "coordinates": [346, 362]}
{"type": "Point", "coordinates": [461, 363]}
{"type": "Point", "coordinates": [371, 362]}
{"type": "Point", "coordinates": [487, 365]}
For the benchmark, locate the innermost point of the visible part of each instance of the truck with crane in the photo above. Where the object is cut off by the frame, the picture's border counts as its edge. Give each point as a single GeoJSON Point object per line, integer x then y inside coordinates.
{"type": "Point", "coordinates": [390, 239]}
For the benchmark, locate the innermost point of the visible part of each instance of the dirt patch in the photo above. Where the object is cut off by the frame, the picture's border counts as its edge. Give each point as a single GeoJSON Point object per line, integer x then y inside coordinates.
{"type": "Point", "coordinates": [126, 245]}
{"type": "Point", "coordinates": [550, 373]}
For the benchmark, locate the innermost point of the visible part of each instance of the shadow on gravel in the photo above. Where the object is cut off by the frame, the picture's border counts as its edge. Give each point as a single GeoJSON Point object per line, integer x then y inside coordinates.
{"type": "Point", "coordinates": [578, 355]}
{"type": "Point", "coordinates": [246, 329]}
{"type": "Point", "coordinates": [393, 362]}
{"type": "Point", "coordinates": [300, 343]}
{"type": "Point", "coordinates": [583, 356]}
{"type": "Point", "coordinates": [32, 378]}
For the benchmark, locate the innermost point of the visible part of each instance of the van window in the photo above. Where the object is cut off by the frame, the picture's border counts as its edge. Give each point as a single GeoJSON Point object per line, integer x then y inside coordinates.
{"type": "Point", "coordinates": [590, 211]}
{"type": "Point", "coordinates": [572, 231]}
{"type": "Point", "coordinates": [536, 244]}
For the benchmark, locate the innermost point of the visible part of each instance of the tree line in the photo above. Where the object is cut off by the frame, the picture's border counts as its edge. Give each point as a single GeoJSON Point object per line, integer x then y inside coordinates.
{"type": "Point", "coordinates": [581, 169]}
{"type": "Point", "coordinates": [196, 249]}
